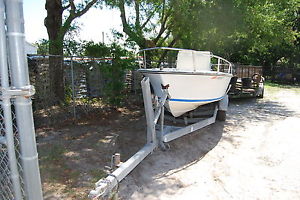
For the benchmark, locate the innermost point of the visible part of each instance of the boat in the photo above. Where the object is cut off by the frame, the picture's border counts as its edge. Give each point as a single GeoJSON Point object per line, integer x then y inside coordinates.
{"type": "Point", "coordinates": [194, 79]}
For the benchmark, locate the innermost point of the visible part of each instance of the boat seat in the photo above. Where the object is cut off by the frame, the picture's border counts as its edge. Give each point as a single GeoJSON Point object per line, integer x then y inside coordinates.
{"type": "Point", "coordinates": [190, 60]}
{"type": "Point", "coordinates": [185, 60]}
{"type": "Point", "coordinates": [202, 60]}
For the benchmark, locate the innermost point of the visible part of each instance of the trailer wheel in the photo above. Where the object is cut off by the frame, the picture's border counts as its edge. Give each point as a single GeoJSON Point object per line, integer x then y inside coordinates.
{"type": "Point", "coordinates": [261, 95]}
{"type": "Point", "coordinates": [221, 115]}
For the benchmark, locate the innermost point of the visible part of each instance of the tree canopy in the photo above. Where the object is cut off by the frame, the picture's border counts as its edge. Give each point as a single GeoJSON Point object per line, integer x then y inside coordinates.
{"type": "Point", "coordinates": [256, 32]}
{"type": "Point", "coordinates": [145, 22]}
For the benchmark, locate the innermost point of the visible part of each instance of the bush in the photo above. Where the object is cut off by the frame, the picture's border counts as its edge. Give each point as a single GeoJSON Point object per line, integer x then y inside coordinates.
{"type": "Point", "coordinates": [119, 60]}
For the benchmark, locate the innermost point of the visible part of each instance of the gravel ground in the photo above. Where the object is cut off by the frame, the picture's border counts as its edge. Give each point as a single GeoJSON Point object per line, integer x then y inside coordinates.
{"type": "Point", "coordinates": [253, 155]}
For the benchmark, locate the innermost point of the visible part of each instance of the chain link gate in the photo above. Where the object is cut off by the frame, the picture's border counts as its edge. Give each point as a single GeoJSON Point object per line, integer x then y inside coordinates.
{"type": "Point", "coordinates": [6, 184]}
{"type": "Point", "coordinates": [19, 171]}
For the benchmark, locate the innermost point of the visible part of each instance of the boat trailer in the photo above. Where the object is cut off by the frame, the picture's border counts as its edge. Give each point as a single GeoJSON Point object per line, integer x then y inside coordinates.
{"type": "Point", "coordinates": [158, 135]}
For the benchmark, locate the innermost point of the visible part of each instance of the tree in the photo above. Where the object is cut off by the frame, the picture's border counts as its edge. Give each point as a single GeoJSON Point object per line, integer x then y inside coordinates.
{"type": "Point", "coordinates": [98, 50]}
{"type": "Point", "coordinates": [207, 25]}
{"type": "Point", "coordinates": [253, 32]}
{"type": "Point", "coordinates": [147, 25]}
{"type": "Point", "coordinates": [60, 15]}
{"type": "Point", "coordinates": [71, 47]}
{"type": "Point", "coordinates": [43, 47]}
{"type": "Point", "coordinates": [113, 68]}
{"type": "Point", "coordinates": [269, 33]}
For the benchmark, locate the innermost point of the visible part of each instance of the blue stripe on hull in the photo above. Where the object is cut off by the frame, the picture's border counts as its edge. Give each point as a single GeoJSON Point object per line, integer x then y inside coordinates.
{"type": "Point", "coordinates": [196, 100]}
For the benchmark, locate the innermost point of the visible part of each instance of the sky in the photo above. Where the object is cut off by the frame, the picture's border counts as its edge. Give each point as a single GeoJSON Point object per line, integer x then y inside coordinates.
{"type": "Point", "coordinates": [92, 24]}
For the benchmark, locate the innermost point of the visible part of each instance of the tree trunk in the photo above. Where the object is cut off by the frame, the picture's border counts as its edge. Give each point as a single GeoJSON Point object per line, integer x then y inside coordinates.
{"type": "Point", "coordinates": [56, 71]}
{"type": "Point", "coordinates": [53, 23]}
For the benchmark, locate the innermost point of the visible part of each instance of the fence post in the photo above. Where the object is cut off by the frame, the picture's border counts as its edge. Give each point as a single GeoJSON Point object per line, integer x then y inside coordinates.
{"type": "Point", "coordinates": [73, 88]}
{"type": "Point", "coordinates": [24, 116]}
{"type": "Point", "coordinates": [6, 106]}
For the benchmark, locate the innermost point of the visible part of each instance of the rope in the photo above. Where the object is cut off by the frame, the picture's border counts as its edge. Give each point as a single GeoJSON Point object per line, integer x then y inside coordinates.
{"type": "Point", "coordinates": [105, 181]}
{"type": "Point", "coordinates": [118, 182]}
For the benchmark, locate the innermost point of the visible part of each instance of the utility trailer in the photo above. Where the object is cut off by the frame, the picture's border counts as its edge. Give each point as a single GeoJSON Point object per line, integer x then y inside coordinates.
{"type": "Point", "coordinates": [247, 82]}
{"type": "Point", "coordinates": [159, 134]}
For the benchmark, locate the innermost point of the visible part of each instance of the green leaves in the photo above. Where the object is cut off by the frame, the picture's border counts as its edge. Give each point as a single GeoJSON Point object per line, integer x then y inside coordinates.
{"type": "Point", "coordinates": [118, 61]}
{"type": "Point", "coordinates": [145, 22]}
{"type": "Point", "coordinates": [43, 47]}
{"type": "Point", "coordinates": [245, 31]}
{"type": "Point", "coordinates": [98, 50]}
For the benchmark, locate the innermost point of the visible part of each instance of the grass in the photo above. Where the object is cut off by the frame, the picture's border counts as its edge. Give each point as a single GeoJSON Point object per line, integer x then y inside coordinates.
{"type": "Point", "coordinates": [97, 174]}
{"type": "Point", "coordinates": [53, 153]}
{"type": "Point", "coordinates": [280, 85]}
{"type": "Point", "coordinates": [54, 166]}
{"type": "Point", "coordinates": [277, 86]}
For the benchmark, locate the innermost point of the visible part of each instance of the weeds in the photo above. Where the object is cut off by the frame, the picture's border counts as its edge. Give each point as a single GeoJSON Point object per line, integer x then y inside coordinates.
{"type": "Point", "coordinates": [97, 174]}
{"type": "Point", "coordinates": [54, 166]}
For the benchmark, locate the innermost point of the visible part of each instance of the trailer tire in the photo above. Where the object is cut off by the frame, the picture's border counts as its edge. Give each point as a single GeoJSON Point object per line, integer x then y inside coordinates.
{"type": "Point", "coordinates": [261, 95]}
{"type": "Point", "coordinates": [221, 115]}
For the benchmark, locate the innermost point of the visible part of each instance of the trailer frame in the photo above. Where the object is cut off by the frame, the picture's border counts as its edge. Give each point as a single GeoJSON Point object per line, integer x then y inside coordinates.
{"type": "Point", "coordinates": [158, 135]}
{"type": "Point", "coordinates": [247, 82]}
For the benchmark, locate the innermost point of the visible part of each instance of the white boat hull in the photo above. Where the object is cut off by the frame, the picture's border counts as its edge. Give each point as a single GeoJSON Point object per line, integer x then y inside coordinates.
{"type": "Point", "coordinates": [188, 90]}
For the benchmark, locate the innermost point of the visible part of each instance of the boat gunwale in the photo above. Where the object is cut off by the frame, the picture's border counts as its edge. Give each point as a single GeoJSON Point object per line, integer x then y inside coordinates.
{"type": "Point", "coordinates": [205, 73]}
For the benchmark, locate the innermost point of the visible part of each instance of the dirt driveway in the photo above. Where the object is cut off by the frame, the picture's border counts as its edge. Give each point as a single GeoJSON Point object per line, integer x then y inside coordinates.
{"type": "Point", "coordinates": [253, 155]}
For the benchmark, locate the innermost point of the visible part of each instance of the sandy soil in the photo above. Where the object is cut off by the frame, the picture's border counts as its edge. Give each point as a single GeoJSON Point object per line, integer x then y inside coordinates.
{"type": "Point", "coordinates": [253, 155]}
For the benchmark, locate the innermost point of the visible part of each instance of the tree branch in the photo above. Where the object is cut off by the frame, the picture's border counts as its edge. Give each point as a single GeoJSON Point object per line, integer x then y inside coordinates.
{"type": "Point", "coordinates": [173, 42]}
{"type": "Point", "coordinates": [73, 14]}
{"type": "Point", "coordinates": [164, 39]}
{"type": "Point", "coordinates": [149, 18]}
{"type": "Point", "coordinates": [72, 5]}
{"type": "Point", "coordinates": [138, 38]}
{"type": "Point", "coordinates": [137, 15]}
{"type": "Point", "coordinates": [163, 11]}
{"type": "Point", "coordinates": [126, 27]}
{"type": "Point", "coordinates": [66, 7]}
{"type": "Point", "coordinates": [162, 28]}
{"type": "Point", "coordinates": [87, 7]}
{"type": "Point", "coordinates": [163, 55]}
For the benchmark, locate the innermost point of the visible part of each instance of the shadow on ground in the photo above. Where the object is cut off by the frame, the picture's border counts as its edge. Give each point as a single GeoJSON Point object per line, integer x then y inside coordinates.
{"type": "Point", "coordinates": [190, 149]}
{"type": "Point", "coordinates": [74, 157]}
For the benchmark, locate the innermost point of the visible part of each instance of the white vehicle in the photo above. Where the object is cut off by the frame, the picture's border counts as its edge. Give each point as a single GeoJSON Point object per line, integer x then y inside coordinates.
{"type": "Point", "coordinates": [196, 78]}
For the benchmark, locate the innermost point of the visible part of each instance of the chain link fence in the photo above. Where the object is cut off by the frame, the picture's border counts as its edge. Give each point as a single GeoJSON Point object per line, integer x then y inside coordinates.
{"type": "Point", "coordinates": [85, 81]}
{"type": "Point", "coordinates": [283, 74]}
{"type": "Point", "coordinates": [6, 184]}
{"type": "Point", "coordinates": [84, 78]}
